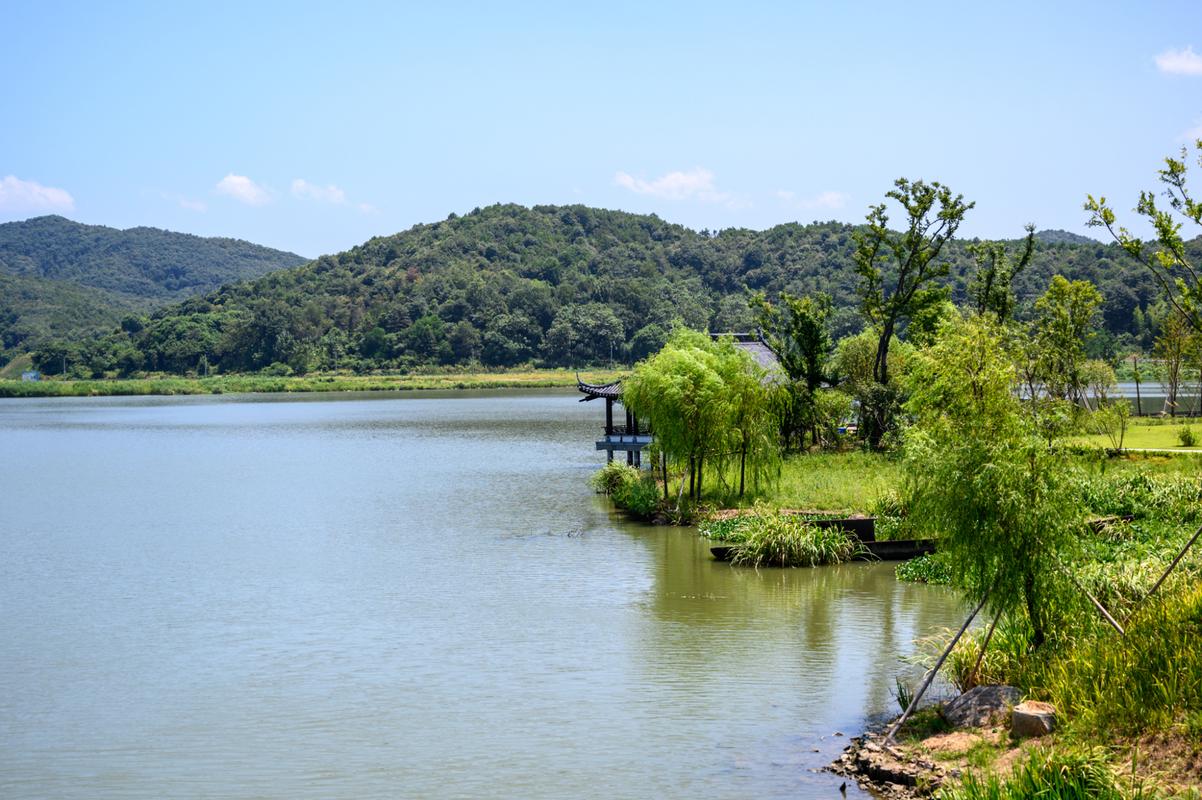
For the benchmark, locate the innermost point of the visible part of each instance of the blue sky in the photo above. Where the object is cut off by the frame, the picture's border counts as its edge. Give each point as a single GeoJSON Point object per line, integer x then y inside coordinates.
{"type": "Point", "coordinates": [314, 127]}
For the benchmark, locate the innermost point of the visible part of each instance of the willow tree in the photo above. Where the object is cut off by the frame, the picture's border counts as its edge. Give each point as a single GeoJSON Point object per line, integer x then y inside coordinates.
{"type": "Point", "coordinates": [898, 271]}
{"type": "Point", "coordinates": [707, 403]}
{"type": "Point", "coordinates": [982, 480]}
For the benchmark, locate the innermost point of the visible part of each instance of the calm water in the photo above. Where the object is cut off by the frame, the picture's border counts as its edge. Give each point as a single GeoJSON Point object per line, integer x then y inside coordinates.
{"type": "Point", "coordinates": [403, 596]}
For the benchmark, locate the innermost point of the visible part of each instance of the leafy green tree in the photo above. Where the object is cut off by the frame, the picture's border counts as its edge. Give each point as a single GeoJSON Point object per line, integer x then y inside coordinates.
{"type": "Point", "coordinates": [706, 401]}
{"type": "Point", "coordinates": [893, 268]}
{"type": "Point", "coordinates": [991, 289]}
{"type": "Point", "coordinates": [1065, 317]}
{"type": "Point", "coordinates": [796, 330]}
{"type": "Point", "coordinates": [983, 481]}
{"type": "Point", "coordinates": [1172, 349]}
{"type": "Point", "coordinates": [1167, 257]}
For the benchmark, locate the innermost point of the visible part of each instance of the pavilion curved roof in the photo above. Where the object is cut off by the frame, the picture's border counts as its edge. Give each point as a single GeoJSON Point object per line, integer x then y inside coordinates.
{"type": "Point", "coordinates": [605, 391]}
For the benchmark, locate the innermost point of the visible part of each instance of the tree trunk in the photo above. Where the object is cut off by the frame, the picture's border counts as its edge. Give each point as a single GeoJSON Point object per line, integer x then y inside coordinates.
{"type": "Point", "coordinates": [1038, 636]}
{"type": "Point", "coordinates": [880, 368]}
{"type": "Point", "coordinates": [742, 467]}
{"type": "Point", "coordinates": [663, 465]}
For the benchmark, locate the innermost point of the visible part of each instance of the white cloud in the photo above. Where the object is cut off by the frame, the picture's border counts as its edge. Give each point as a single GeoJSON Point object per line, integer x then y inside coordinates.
{"type": "Point", "coordinates": [1193, 134]}
{"type": "Point", "coordinates": [19, 195]}
{"type": "Point", "coordinates": [828, 200]}
{"type": "Point", "coordinates": [695, 184]}
{"type": "Point", "coordinates": [243, 189]}
{"type": "Point", "coordinates": [368, 208]}
{"type": "Point", "coordinates": [1180, 62]}
{"type": "Point", "coordinates": [324, 194]}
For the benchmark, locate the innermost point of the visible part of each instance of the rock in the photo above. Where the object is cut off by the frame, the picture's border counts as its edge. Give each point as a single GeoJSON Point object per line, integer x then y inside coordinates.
{"type": "Point", "coordinates": [1032, 718]}
{"type": "Point", "coordinates": [980, 706]}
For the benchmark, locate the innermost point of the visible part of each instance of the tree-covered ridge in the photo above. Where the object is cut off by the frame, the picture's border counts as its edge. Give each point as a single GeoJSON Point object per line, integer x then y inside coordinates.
{"type": "Point", "coordinates": [507, 284]}
{"type": "Point", "coordinates": [36, 310]}
{"type": "Point", "coordinates": [142, 262]}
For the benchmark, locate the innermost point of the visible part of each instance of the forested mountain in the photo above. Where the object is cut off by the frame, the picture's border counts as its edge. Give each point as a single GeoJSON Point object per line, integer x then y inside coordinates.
{"type": "Point", "coordinates": [507, 285]}
{"type": "Point", "coordinates": [61, 279]}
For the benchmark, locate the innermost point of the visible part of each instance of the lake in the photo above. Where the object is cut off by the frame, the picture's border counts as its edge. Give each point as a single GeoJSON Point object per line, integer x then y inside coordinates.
{"type": "Point", "coordinates": [402, 595]}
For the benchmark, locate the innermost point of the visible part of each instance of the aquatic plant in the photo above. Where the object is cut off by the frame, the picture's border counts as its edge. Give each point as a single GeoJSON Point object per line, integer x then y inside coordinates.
{"type": "Point", "coordinates": [782, 540]}
{"type": "Point", "coordinates": [931, 568]}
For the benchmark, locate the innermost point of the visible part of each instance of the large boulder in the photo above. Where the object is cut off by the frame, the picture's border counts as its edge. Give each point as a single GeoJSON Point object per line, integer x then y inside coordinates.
{"type": "Point", "coordinates": [1032, 718]}
{"type": "Point", "coordinates": [981, 706]}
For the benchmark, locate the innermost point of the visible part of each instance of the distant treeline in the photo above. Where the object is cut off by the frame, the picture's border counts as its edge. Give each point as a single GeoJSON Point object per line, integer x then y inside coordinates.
{"type": "Point", "coordinates": [549, 285]}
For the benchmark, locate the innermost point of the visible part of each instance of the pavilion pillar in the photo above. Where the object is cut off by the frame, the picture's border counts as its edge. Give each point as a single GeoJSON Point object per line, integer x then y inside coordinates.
{"type": "Point", "coordinates": [609, 417]}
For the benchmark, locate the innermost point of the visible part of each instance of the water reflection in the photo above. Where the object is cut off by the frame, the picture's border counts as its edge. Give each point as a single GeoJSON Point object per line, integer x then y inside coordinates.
{"type": "Point", "coordinates": [324, 596]}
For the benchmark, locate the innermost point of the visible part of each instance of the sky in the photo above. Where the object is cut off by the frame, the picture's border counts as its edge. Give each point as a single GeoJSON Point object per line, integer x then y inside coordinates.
{"type": "Point", "coordinates": [313, 127]}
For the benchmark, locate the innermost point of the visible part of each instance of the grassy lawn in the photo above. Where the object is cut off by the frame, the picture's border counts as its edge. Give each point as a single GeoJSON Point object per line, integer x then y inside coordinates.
{"type": "Point", "coordinates": [1150, 433]}
{"type": "Point", "coordinates": [854, 480]}
{"type": "Point", "coordinates": [227, 384]}
{"type": "Point", "coordinates": [848, 482]}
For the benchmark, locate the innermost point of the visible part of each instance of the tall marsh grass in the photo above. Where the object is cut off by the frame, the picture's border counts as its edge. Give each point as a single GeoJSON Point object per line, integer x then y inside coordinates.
{"type": "Point", "coordinates": [767, 538]}
{"type": "Point", "coordinates": [1051, 774]}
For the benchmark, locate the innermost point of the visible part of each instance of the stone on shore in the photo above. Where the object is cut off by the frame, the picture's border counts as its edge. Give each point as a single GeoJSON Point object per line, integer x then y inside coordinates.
{"type": "Point", "coordinates": [981, 706]}
{"type": "Point", "coordinates": [1032, 718]}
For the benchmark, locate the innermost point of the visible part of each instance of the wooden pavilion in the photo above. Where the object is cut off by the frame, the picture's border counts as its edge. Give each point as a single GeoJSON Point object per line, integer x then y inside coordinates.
{"type": "Point", "coordinates": [626, 437]}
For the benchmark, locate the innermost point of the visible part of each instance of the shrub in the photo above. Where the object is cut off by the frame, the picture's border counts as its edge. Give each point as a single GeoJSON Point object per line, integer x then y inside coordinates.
{"type": "Point", "coordinates": [780, 540]}
{"type": "Point", "coordinates": [610, 478]}
{"type": "Point", "coordinates": [638, 495]}
{"type": "Point", "coordinates": [1186, 437]}
{"type": "Point", "coordinates": [629, 488]}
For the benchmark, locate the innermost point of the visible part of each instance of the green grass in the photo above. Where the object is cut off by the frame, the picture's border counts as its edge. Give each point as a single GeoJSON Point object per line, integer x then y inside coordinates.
{"type": "Point", "coordinates": [848, 482]}
{"type": "Point", "coordinates": [1151, 432]}
{"type": "Point", "coordinates": [1052, 774]}
{"type": "Point", "coordinates": [231, 384]}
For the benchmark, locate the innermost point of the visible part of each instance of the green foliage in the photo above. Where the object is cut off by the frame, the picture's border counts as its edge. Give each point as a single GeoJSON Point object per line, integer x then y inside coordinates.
{"type": "Point", "coordinates": [1168, 258]}
{"type": "Point", "coordinates": [768, 538]}
{"type": "Point", "coordinates": [629, 488]}
{"type": "Point", "coordinates": [1060, 774]}
{"type": "Point", "coordinates": [63, 280]}
{"type": "Point", "coordinates": [1063, 327]}
{"type": "Point", "coordinates": [797, 331]}
{"type": "Point", "coordinates": [932, 568]}
{"type": "Point", "coordinates": [610, 478]}
{"type": "Point", "coordinates": [500, 277]}
{"type": "Point", "coordinates": [1143, 680]}
{"type": "Point", "coordinates": [897, 270]}
{"type": "Point", "coordinates": [708, 403]}
{"type": "Point", "coordinates": [1112, 421]}
{"type": "Point", "coordinates": [982, 482]}
{"type": "Point", "coordinates": [1141, 495]}
{"type": "Point", "coordinates": [1186, 437]}
{"type": "Point", "coordinates": [991, 289]}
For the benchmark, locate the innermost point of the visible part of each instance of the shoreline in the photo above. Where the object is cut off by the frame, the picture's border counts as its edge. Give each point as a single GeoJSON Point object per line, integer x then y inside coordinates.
{"type": "Point", "coordinates": [256, 384]}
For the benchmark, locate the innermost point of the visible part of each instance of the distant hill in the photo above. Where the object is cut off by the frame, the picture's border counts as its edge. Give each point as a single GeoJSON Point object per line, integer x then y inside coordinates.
{"type": "Point", "coordinates": [1064, 237]}
{"type": "Point", "coordinates": [62, 279]}
{"type": "Point", "coordinates": [568, 285]}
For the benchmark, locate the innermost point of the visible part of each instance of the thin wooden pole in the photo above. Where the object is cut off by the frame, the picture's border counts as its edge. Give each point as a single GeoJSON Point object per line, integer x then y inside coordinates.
{"type": "Point", "coordinates": [1172, 566]}
{"type": "Point", "coordinates": [1114, 623]}
{"type": "Point", "coordinates": [935, 670]}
